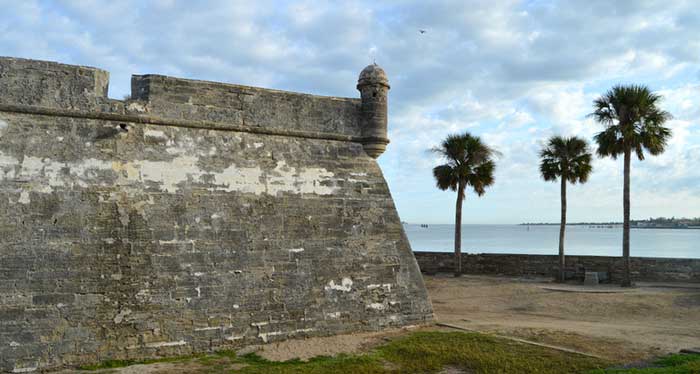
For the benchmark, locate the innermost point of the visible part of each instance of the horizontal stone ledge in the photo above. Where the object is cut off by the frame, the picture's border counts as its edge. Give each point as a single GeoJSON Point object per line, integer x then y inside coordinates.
{"type": "Point", "coordinates": [197, 124]}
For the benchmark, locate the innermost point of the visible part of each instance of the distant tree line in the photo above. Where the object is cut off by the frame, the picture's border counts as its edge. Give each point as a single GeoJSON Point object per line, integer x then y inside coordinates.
{"type": "Point", "coordinates": [659, 222]}
{"type": "Point", "coordinates": [673, 222]}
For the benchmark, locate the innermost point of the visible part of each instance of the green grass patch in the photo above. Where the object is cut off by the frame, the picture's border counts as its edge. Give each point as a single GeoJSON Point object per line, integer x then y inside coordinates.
{"type": "Point", "coordinates": [672, 364]}
{"type": "Point", "coordinates": [419, 352]}
{"type": "Point", "coordinates": [430, 352]}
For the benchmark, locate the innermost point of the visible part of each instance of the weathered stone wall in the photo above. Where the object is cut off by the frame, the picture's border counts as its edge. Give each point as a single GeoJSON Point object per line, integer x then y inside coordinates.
{"type": "Point", "coordinates": [643, 268]}
{"type": "Point", "coordinates": [193, 217]}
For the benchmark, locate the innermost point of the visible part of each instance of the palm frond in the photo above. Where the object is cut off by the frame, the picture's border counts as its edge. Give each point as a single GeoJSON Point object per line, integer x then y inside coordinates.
{"type": "Point", "coordinates": [445, 177]}
{"type": "Point", "coordinates": [633, 121]}
{"type": "Point", "coordinates": [468, 159]}
{"type": "Point", "coordinates": [482, 177]}
{"type": "Point", "coordinates": [567, 158]}
{"type": "Point", "coordinates": [610, 142]}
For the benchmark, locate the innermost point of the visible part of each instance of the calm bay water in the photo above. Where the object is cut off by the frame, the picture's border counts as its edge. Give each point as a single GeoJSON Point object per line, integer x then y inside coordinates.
{"type": "Point", "coordinates": [580, 240]}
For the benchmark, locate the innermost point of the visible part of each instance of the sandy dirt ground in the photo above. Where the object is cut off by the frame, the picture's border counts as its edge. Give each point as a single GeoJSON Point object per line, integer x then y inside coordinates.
{"type": "Point", "coordinates": [327, 346]}
{"type": "Point", "coordinates": [608, 321]}
{"type": "Point", "coordinates": [625, 325]}
{"type": "Point", "coordinates": [303, 349]}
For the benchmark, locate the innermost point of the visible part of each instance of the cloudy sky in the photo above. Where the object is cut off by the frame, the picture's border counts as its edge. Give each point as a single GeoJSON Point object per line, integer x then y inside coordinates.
{"type": "Point", "coordinates": [512, 72]}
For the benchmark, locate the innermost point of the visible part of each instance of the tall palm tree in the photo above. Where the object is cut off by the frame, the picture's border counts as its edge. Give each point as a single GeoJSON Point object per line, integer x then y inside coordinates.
{"type": "Point", "coordinates": [633, 123]}
{"type": "Point", "coordinates": [469, 163]}
{"type": "Point", "coordinates": [569, 160]}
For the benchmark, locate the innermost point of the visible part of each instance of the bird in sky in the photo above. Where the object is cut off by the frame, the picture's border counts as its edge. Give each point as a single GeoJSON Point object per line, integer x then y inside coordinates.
{"type": "Point", "coordinates": [422, 31]}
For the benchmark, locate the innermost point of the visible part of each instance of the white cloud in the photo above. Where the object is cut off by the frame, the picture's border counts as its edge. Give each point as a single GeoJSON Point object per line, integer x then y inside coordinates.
{"type": "Point", "coordinates": [514, 72]}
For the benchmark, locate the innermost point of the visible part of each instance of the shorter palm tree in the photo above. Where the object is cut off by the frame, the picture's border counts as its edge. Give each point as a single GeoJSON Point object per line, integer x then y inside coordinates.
{"type": "Point", "coordinates": [469, 163]}
{"type": "Point", "coordinates": [569, 160]}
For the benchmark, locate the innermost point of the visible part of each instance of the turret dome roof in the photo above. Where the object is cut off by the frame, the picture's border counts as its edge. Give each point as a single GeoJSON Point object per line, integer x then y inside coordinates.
{"type": "Point", "coordinates": [373, 74]}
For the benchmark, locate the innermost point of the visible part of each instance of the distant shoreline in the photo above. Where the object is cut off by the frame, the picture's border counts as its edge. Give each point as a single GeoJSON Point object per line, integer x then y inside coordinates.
{"type": "Point", "coordinates": [613, 225]}
{"type": "Point", "coordinates": [572, 224]}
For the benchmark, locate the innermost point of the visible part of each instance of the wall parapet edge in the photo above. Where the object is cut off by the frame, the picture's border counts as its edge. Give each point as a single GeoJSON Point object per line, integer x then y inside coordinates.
{"type": "Point", "coordinates": [79, 91]}
{"type": "Point", "coordinates": [51, 84]}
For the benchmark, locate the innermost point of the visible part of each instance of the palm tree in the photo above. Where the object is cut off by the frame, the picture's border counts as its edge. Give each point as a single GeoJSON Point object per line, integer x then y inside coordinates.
{"type": "Point", "coordinates": [633, 122]}
{"type": "Point", "coordinates": [469, 163]}
{"type": "Point", "coordinates": [569, 160]}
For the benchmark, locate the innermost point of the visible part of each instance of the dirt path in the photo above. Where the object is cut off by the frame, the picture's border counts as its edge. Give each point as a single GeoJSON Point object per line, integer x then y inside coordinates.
{"type": "Point", "coordinates": [629, 324]}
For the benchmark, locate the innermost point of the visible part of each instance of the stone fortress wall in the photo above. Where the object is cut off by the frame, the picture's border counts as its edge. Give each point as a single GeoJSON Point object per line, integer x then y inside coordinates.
{"type": "Point", "coordinates": [191, 217]}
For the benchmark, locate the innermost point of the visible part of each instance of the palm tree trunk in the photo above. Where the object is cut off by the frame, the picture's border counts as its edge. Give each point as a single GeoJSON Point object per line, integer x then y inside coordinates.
{"type": "Point", "coordinates": [626, 278]}
{"type": "Point", "coordinates": [562, 230]}
{"type": "Point", "coordinates": [458, 231]}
